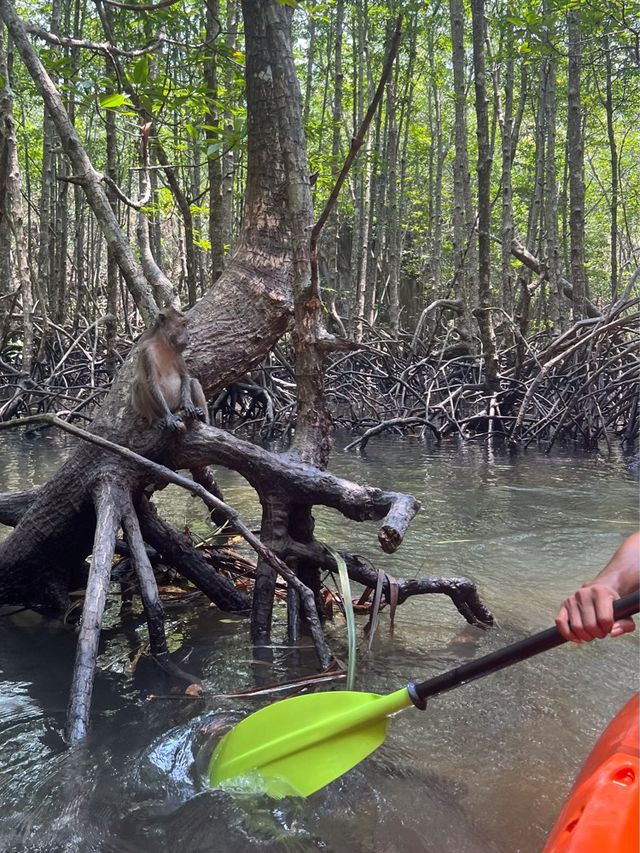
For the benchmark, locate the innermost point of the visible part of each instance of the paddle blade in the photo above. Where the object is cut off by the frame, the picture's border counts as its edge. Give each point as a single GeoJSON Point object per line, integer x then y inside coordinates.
{"type": "Point", "coordinates": [297, 746]}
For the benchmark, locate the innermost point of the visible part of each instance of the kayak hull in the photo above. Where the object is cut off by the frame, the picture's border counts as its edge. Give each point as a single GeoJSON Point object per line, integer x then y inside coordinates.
{"type": "Point", "coordinates": [602, 811]}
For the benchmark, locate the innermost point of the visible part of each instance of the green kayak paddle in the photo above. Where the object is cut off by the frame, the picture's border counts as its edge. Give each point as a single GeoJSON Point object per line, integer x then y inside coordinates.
{"type": "Point", "coordinates": [299, 745]}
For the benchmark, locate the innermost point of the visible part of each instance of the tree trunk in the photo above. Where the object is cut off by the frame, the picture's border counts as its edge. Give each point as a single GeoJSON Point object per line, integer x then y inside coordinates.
{"type": "Point", "coordinates": [358, 180]}
{"type": "Point", "coordinates": [111, 324]}
{"type": "Point", "coordinates": [439, 154]}
{"type": "Point", "coordinates": [391, 212]}
{"type": "Point", "coordinates": [375, 191]}
{"type": "Point", "coordinates": [6, 271]}
{"type": "Point", "coordinates": [575, 156]}
{"type": "Point", "coordinates": [14, 209]}
{"type": "Point", "coordinates": [333, 226]}
{"type": "Point", "coordinates": [311, 53]}
{"type": "Point", "coordinates": [463, 236]}
{"type": "Point", "coordinates": [551, 203]}
{"type": "Point", "coordinates": [613, 159]}
{"type": "Point", "coordinates": [505, 120]}
{"type": "Point", "coordinates": [215, 145]}
{"type": "Point", "coordinates": [485, 322]}
{"type": "Point", "coordinates": [49, 190]}
{"type": "Point", "coordinates": [363, 251]}
{"type": "Point", "coordinates": [410, 295]}
{"type": "Point", "coordinates": [535, 207]}
{"type": "Point", "coordinates": [229, 158]}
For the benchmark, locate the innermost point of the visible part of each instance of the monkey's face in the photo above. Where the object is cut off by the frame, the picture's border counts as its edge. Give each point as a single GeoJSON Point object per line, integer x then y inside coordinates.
{"type": "Point", "coordinates": [173, 324]}
{"type": "Point", "coordinates": [180, 334]}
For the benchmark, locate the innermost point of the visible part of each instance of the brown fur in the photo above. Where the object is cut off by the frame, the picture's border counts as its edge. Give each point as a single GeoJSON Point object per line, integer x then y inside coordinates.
{"type": "Point", "coordinates": [161, 385]}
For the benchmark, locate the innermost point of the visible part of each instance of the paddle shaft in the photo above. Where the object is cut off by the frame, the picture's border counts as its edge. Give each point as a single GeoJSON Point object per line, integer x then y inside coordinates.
{"type": "Point", "coordinates": [523, 649]}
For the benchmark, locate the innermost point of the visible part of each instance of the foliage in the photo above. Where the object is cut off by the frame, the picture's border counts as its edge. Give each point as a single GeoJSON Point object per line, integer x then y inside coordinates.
{"type": "Point", "coordinates": [158, 71]}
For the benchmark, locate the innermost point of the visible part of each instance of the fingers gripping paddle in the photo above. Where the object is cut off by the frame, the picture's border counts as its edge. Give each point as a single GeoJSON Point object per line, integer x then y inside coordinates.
{"type": "Point", "coordinates": [297, 746]}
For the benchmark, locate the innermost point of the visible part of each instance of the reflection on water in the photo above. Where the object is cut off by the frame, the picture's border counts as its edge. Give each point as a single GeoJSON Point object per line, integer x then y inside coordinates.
{"type": "Point", "coordinates": [484, 770]}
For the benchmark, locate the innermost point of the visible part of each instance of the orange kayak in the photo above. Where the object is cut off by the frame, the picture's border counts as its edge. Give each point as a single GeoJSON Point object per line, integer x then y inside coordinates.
{"type": "Point", "coordinates": [602, 812]}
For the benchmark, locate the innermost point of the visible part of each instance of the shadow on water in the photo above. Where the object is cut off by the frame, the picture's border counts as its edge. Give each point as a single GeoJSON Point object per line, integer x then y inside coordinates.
{"type": "Point", "coordinates": [484, 770]}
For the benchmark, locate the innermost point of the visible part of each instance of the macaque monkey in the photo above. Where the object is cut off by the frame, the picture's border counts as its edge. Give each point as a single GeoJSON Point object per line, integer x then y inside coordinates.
{"type": "Point", "coordinates": [161, 386]}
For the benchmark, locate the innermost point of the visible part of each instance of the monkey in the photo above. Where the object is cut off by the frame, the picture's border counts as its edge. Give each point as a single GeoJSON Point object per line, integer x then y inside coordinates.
{"type": "Point", "coordinates": [161, 386]}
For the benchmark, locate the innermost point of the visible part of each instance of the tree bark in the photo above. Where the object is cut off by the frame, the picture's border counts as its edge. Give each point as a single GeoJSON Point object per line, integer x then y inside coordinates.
{"type": "Point", "coordinates": [485, 322]}
{"type": "Point", "coordinates": [507, 230]}
{"type": "Point", "coordinates": [551, 203]}
{"type": "Point", "coordinates": [14, 210]}
{"type": "Point", "coordinates": [48, 194]}
{"type": "Point", "coordinates": [111, 325]}
{"type": "Point", "coordinates": [463, 221]}
{"type": "Point", "coordinates": [333, 226]}
{"type": "Point", "coordinates": [391, 212]}
{"type": "Point", "coordinates": [535, 208]}
{"type": "Point", "coordinates": [439, 154]}
{"type": "Point", "coordinates": [575, 157]}
{"type": "Point", "coordinates": [215, 143]}
{"type": "Point", "coordinates": [229, 158]}
{"type": "Point", "coordinates": [6, 270]}
{"type": "Point", "coordinates": [613, 159]}
{"type": "Point", "coordinates": [358, 180]}
{"type": "Point", "coordinates": [311, 444]}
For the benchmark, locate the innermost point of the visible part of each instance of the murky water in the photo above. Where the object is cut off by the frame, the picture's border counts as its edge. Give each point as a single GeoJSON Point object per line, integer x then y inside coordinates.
{"type": "Point", "coordinates": [484, 770]}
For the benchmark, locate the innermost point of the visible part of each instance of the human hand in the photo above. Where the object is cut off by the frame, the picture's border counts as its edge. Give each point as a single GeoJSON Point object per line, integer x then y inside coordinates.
{"type": "Point", "coordinates": [588, 614]}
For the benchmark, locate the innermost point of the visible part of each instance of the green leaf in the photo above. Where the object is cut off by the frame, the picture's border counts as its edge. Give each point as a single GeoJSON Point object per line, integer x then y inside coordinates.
{"type": "Point", "coordinates": [345, 590]}
{"type": "Point", "coordinates": [111, 102]}
{"type": "Point", "coordinates": [141, 70]}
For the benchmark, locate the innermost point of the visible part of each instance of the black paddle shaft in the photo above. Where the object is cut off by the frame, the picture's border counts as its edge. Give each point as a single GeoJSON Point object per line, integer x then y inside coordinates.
{"type": "Point", "coordinates": [523, 649]}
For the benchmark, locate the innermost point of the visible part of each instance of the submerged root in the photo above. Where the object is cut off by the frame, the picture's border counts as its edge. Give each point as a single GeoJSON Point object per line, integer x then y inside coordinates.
{"type": "Point", "coordinates": [579, 386]}
{"type": "Point", "coordinates": [114, 510]}
{"type": "Point", "coordinates": [288, 488]}
{"type": "Point", "coordinates": [153, 609]}
{"type": "Point", "coordinates": [108, 502]}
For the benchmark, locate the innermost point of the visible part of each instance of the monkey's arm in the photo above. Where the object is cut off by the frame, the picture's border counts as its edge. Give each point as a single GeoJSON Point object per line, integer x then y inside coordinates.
{"type": "Point", "coordinates": [192, 408]}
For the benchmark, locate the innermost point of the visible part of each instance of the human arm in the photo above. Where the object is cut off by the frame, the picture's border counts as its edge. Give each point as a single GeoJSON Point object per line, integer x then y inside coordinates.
{"type": "Point", "coordinates": [588, 613]}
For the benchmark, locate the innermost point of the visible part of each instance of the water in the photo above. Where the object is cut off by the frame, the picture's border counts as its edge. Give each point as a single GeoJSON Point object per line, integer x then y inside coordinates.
{"type": "Point", "coordinates": [484, 770]}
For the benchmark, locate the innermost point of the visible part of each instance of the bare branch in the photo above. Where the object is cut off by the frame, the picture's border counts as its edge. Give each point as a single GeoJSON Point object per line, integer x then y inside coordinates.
{"type": "Point", "coordinates": [104, 48]}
